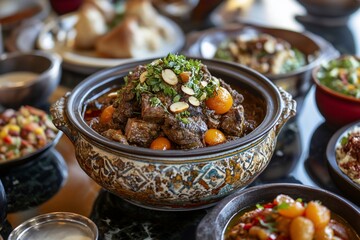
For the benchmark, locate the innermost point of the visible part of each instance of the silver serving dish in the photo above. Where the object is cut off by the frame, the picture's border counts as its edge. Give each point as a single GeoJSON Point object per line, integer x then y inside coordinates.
{"type": "Point", "coordinates": [54, 226]}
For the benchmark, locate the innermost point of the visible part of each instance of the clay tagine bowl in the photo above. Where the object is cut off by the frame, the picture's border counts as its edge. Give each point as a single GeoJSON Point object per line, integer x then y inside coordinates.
{"type": "Point", "coordinates": [174, 179]}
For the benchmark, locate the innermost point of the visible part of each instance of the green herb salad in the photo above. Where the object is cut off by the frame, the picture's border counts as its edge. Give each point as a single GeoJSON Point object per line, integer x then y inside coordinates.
{"type": "Point", "coordinates": [341, 75]}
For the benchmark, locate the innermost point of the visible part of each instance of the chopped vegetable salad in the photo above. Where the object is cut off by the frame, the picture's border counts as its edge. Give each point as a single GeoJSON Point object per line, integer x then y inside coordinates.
{"type": "Point", "coordinates": [341, 75]}
{"type": "Point", "coordinates": [24, 131]}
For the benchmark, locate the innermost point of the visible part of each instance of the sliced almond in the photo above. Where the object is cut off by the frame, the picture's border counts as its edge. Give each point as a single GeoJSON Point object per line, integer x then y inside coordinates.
{"type": "Point", "coordinates": [203, 84]}
{"type": "Point", "coordinates": [156, 62]}
{"type": "Point", "coordinates": [194, 101]}
{"type": "Point", "coordinates": [185, 76]}
{"type": "Point", "coordinates": [179, 107]}
{"type": "Point", "coordinates": [187, 90]}
{"type": "Point", "coordinates": [216, 81]}
{"type": "Point", "coordinates": [113, 94]}
{"type": "Point", "coordinates": [269, 46]}
{"type": "Point", "coordinates": [203, 96]}
{"type": "Point", "coordinates": [143, 77]}
{"type": "Point", "coordinates": [169, 77]}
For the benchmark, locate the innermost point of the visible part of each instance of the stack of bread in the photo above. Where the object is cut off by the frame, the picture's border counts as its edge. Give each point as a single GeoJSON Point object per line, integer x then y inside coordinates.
{"type": "Point", "coordinates": [139, 33]}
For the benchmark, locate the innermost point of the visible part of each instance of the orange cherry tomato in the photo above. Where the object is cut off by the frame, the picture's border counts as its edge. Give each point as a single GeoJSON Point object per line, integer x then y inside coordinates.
{"type": "Point", "coordinates": [294, 209]}
{"type": "Point", "coordinates": [213, 137]}
{"type": "Point", "coordinates": [185, 76]}
{"type": "Point", "coordinates": [221, 102]}
{"type": "Point", "coordinates": [318, 214]}
{"type": "Point", "coordinates": [161, 143]}
{"type": "Point", "coordinates": [106, 114]}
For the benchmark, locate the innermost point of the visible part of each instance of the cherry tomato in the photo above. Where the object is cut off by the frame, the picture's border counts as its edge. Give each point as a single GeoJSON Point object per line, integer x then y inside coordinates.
{"type": "Point", "coordinates": [107, 114]}
{"type": "Point", "coordinates": [214, 137]}
{"type": "Point", "coordinates": [161, 143]}
{"type": "Point", "coordinates": [221, 102]}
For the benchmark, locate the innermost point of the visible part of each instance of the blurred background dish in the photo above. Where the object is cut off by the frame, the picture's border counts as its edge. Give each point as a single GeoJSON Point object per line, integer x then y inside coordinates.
{"type": "Point", "coordinates": [330, 8]}
{"type": "Point", "coordinates": [341, 179]}
{"type": "Point", "coordinates": [28, 78]}
{"type": "Point", "coordinates": [338, 90]}
{"type": "Point", "coordinates": [25, 134]}
{"type": "Point", "coordinates": [12, 13]}
{"type": "Point", "coordinates": [297, 82]}
{"type": "Point", "coordinates": [213, 225]}
{"type": "Point", "coordinates": [137, 33]}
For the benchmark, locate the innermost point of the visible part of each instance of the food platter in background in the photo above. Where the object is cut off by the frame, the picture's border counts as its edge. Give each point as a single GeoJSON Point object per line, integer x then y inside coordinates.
{"type": "Point", "coordinates": [58, 35]}
{"type": "Point", "coordinates": [343, 181]}
{"type": "Point", "coordinates": [206, 43]}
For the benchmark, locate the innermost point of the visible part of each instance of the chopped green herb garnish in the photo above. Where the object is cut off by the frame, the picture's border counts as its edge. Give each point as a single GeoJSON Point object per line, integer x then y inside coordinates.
{"type": "Point", "coordinates": [344, 140]}
{"type": "Point", "coordinates": [183, 116]}
{"type": "Point", "coordinates": [270, 226]}
{"type": "Point", "coordinates": [283, 205]}
{"type": "Point", "coordinates": [259, 206]}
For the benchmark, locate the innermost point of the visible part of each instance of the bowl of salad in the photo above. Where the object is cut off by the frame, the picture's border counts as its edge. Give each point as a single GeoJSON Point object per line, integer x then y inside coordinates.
{"type": "Point", "coordinates": [25, 134]}
{"type": "Point", "coordinates": [338, 90]}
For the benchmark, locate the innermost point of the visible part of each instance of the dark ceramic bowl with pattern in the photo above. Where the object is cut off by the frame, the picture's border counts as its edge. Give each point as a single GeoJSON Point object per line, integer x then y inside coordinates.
{"type": "Point", "coordinates": [174, 179]}
{"type": "Point", "coordinates": [213, 225]}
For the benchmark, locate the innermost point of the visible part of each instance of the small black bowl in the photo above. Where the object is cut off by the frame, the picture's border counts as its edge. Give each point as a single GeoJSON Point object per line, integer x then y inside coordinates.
{"type": "Point", "coordinates": [348, 186]}
{"type": "Point", "coordinates": [2, 205]}
{"type": "Point", "coordinates": [213, 225]}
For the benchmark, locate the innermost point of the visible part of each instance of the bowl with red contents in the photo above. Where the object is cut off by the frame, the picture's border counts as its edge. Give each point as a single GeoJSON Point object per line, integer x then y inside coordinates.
{"type": "Point", "coordinates": [338, 90]}
{"type": "Point", "coordinates": [221, 120]}
{"type": "Point", "coordinates": [343, 159]}
{"type": "Point", "coordinates": [281, 211]}
{"type": "Point", "coordinates": [25, 134]}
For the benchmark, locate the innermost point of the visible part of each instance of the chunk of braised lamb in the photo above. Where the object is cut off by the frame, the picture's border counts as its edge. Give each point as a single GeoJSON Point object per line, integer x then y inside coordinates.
{"type": "Point", "coordinates": [187, 136]}
{"type": "Point", "coordinates": [238, 98]}
{"type": "Point", "coordinates": [135, 75]}
{"type": "Point", "coordinates": [211, 118]}
{"type": "Point", "coordinates": [115, 135]}
{"type": "Point", "coordinates": [127, 92]}
{"type": "Point", "coordinates": [153, 113]}
{"type": "Point", "coordinates": [232, 122]}
{"type": "Point", "coordinates": [140, 132]}
{"type": "Point", "coordinates": [123, 111]}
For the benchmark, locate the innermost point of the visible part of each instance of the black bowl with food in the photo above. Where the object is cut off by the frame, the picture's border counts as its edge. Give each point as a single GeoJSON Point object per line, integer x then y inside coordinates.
{"type": "Point", "coordinates": [169, 133]}
{"type": "Point", "coordinates": [281, 211]}
{"type": "Point", "coordinates": [25, 134]}
{"type": "Point", "coordinates": [343, 158]}
{"type": "Point", "coordinates": [286, 57]}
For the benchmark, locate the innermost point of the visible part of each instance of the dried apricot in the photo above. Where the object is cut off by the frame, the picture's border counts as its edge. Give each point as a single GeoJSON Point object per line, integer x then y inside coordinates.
{"type": "Point", "coordinates": [318, 214]}
{"type": "Point", "coordinates": [292, 210]}
{"type": "Point", "coordinates": [221, 102]}
{"type": "Point", "coordinates": [214, 137]}
{"type": "Point", "coordinates": [161, 143]}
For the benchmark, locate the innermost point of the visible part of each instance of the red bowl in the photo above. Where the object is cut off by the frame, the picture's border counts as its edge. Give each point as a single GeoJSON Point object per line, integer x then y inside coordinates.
{"type": "Point", "coordinates": [337, 109]}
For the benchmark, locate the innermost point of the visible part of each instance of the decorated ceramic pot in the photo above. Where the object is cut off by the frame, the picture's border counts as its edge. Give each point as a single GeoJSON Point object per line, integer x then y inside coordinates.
{"type": "Point", "coordinates": [174, 179]}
